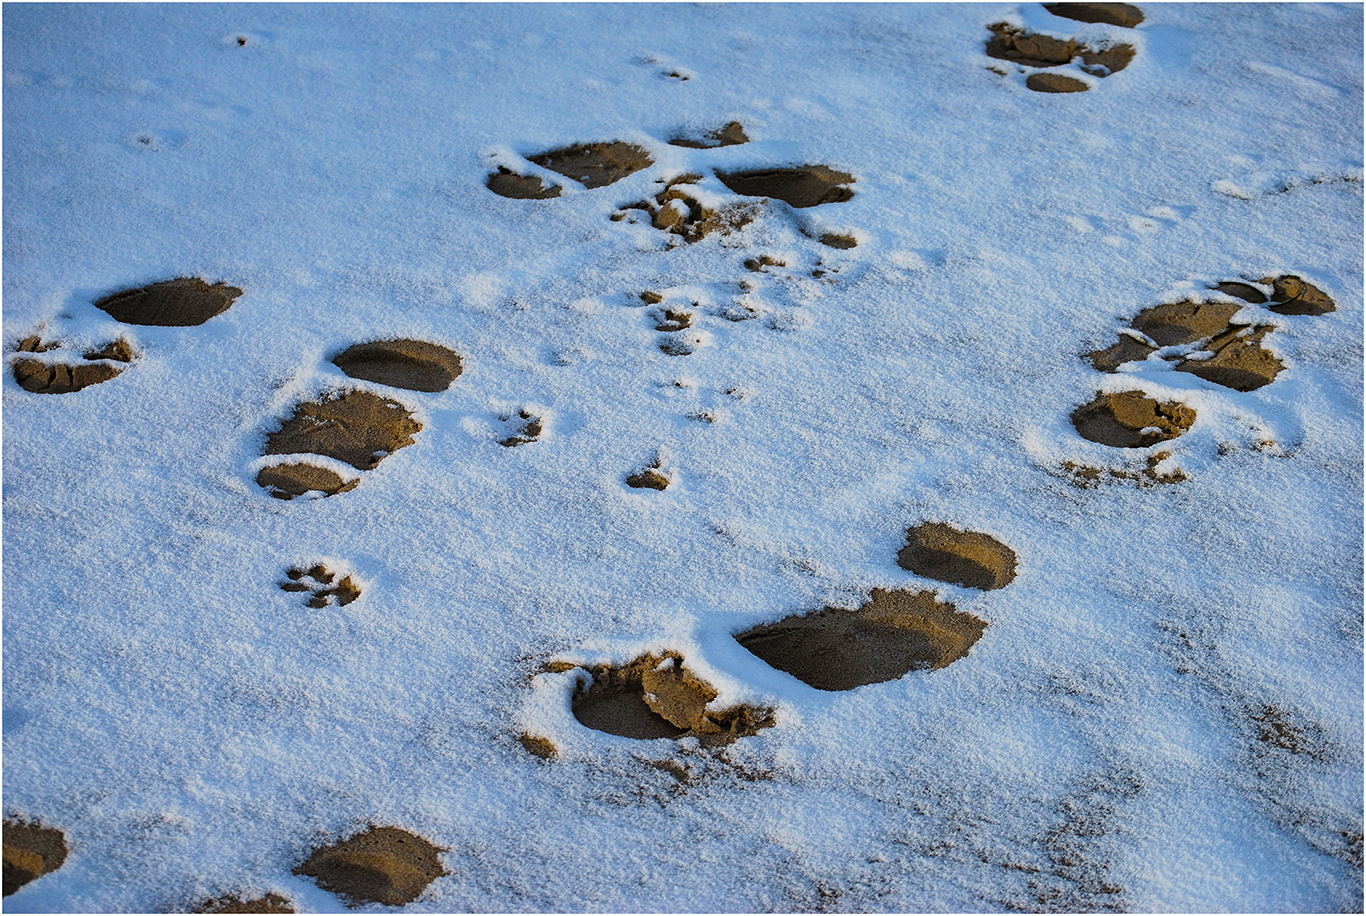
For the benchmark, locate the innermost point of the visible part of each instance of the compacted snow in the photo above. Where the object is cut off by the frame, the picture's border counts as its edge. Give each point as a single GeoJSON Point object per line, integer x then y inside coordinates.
{"type": "Point", "coordinates": [1164, 711]}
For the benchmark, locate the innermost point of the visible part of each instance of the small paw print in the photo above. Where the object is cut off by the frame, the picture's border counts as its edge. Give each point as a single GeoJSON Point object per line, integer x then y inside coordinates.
{"type": "Point", "coordinates": [321, 583]}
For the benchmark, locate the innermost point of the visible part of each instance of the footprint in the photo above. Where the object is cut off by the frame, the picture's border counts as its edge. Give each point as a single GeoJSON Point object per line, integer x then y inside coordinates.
{"type": "Point", "coordinates": [1130, 419]}
{"type": "Point", "coordinates": [507, 183]}
{"type": "Point", "coordinates": [649, 479]}
{"type": "Point", "coordinates": [800, 187]}
{"type": "Point", "coordinates": [1226, 354]}
{"type": "Point", "coordinates": [412, 364]}
{"type": "Point", "coordinates": [45, 376]}
{"type": "Point", "coordinates": [355, 427]}
{"type": "Point", "coordinates": [678, 209]}
{"type": "Point", "coordinates": [270, 903]}
{"type": "Point", "coordinates": [1039, 51]}
{"type": "Point", "coordinates": [384, 865]}
{"type": "Point", "coordinates": [595, 165]}
{"type": "Point", "coordinates": [180, 303]}
{"type": "Point", "coordinates": [1150, 474]}
{"type": "Point", "coordinates": [968, 558]}
{"type": "Point", "coordinates": [528, 426]}
{"type": "Point", "coordinates": [732, 134]}
{"type": "Point", "coordinates": [30, 851]}
{"type": "Point", "coordinates": [321, 583]}
{"type": "Point", "coordinates": [894, 633]}
{"type": "Point", "coordinates": [658, 697]}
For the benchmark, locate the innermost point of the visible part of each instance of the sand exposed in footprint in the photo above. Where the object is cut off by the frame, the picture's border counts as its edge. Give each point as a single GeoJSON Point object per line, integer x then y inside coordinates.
{"type": "Point", "coordinates": [507, 183]}
{"type": "Point", "coordinates": [801, 187]}
{"type": "Point", "coordinates": [1293, 296]}
{"type": "Point", "coordinates": [678, 210]}
{"type": "Point", "coordinates": [1239, 362]}
{"type": "Point", "coordinates": [1184, 322]}
{"type": "Point", "coordinates": [30, 851]}
{"type": "Point", "coordinates": [732, 134]}
{"type": "Point", "coordinates": [412, 364]}
{"type": "Point", "coordinates": [62, 378]}
{"type": "Point", "coordinates": [179, 303]}
{"type": "Point", "coordinates": [895, 632]}
{"type": "Point", "coordinates": [648, 479]}
{"type": "Point", "coordinates": [1054, 82]}
{"type": "Point", "coordinates": [658, 697]}
{"type": "Point", "coordinates": [383, 865]}
{"type": "Point", "coordinates": [529, 429]}
{"type": "Point", "coordinates": [1130, 419]}
{"type": "Point", "coordinates": [1034, 50]}
{"type": "Point", "coordinates": [595, 165]}
{"type": "Point", "coordinates": [322, 585]}
{"type": "Point", "coordinates": [270, 903]}
{"type": "Point", "coordinates": [1120, 14]}
{"type": "Point", "coordinates": [355, 427]}
{"type": "Point", "coordinates": [969, 558]}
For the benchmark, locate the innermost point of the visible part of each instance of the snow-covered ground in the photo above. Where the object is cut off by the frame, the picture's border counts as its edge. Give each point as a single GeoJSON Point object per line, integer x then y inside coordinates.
{"type": "Point", "coordinates": [1165, 710]}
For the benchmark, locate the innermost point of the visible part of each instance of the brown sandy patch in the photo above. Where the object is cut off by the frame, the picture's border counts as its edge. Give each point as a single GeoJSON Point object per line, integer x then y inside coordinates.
{"type": "Point", "coordinates": [412, 364]}
{"type": "Point", "coordinates": [658, 697]}
{"type": "Point", "coordinates": [895, 632]}
{"type": "Point", "coordinates": [1184, 322]}
{"type": "Point", "coordinates": [1088, 477]}
{"type": "Point", "coordinates": [648, 479]}
{"type": "Point", "coordinates": [801, 187]}
{"type": "Point", "coordinates": [836, 240]}
{"type": "Point", "coordinates": [942, 552]}
{"type": "Point", "coordinates": [1130, 419]}
{"type": "Point", "coordinates": [507, 183]}
{"type": "Point", "coordinates": [1239, 361]}
{"type": "Point", "coordinates": [539, 747]}
{"type": "Point", "coordinates": [677, 210]}
{"type": "Point", "coordinates": [650, 297]}
{"type": "Point", "coordinates": [1032, 50]}
{"type": "Point", "coordinates": [356, 427]}
{"type": "Point", "coordinates": [96, 366]}
{"type": "Point", "coordinates": [1243, 291]}
{"type": "Point", "coordinates": [1293, 296]}
{"type": "Point", "coordinates": [30, 851]}
{"type": "Point", "coordinates": [1126, 350]}
{"type": "Point", "coordinates": [763, 261]}
{"type": "Point", "coordinates": [529, 429]}
{"type": "Point", "coordinates": [384, 865]}
{"type": "Point", "coordinates": [1120, 14]}
{"type": "Point", "coordinates": [732, 134]}
{"type": "Point", "coordinates": [595, 165]}
{"type": "Point", "coordinates": [1054, 82]}
{"type": "Point", "coordinates": [179, 303]}
{"type": "Point", "coordinates": [270, 903]}
{"type": "Point", "coordinates": [674, 320]}
{"type": "Point", "coordinates": [289, 481]}
{"type": "Point", "coordinates": [322, 585]}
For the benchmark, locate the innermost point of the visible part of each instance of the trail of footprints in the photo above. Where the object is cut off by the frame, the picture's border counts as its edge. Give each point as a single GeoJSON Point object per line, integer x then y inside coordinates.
{"type": "Point", "coordinates": [896, 631]}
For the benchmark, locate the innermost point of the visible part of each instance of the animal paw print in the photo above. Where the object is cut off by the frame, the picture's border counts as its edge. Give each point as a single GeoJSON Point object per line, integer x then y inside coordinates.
{"type": "Point", "coordinates": [322, 585]}
{"type": "Point", "coordinates": [63, 372]}
{"type": "Point", "coordinates": [524, 426]}
{"type": "Point", "coordinates": [1051, 54]}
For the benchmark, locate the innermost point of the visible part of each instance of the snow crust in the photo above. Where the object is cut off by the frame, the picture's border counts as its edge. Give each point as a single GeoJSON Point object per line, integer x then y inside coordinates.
{"type": "Point", "coordinates": [195, 731]}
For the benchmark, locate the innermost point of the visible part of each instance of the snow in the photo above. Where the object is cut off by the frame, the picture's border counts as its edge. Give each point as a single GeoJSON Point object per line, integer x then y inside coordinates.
{"type": "Point", "coordinates": [195, 731]}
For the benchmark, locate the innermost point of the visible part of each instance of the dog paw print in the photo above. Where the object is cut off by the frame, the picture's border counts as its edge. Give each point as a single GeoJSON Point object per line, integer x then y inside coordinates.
{"type": "Point", "coordinates": [60, 371]}
{"type": "Point", "coordinates": [522, 428]}
{"type": "Point", "coordinates": [1051, 54]}
{"type": "Point", "coordinates": [322, 585]}
{"type": "Point", "coordinates": [657, 696]}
